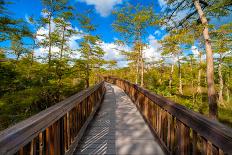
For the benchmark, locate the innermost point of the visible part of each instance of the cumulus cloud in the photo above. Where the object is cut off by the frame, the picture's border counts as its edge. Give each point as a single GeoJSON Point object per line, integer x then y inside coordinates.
{"type": "Point", "coordinates": [103, 7]}
{"type": "Point", "coordinates": [27, 18]}
{"type": "Point", "coordinates": [113, 53]}
{"type": "Point", "coordinates": [195, 50]}
{"type": "Point", "coordinates": [153, 51]}
{"type": "Point", "coordinates": [162, 3]}
{"type": "Point", "coordinates": [42, 34]}
{"type": "Point", "coordinates": [157, 32]}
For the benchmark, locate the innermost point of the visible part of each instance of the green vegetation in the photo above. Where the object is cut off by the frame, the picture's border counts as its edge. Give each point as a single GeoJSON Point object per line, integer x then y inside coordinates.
{"type": "Point", "coordinates": [30, 83]}
{"type": "Point", "coordinates": [191, 80]}
{"type": "Point", "coordinates": [202, 81]}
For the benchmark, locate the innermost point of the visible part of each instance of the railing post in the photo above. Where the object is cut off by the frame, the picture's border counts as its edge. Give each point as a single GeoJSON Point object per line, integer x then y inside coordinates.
{"type": "Point", "coordinates": [62, 144]}
{"type": "Point", "coordinates": [174, 123]}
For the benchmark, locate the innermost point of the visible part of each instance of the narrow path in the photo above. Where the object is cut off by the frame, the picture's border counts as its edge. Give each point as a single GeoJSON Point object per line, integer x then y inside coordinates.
{"type": "Point", "coordinates": [118, 128]}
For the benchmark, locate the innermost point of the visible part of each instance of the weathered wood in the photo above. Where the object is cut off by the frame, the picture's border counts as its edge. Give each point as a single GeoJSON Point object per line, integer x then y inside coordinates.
{"type": "Point", "coordinates": [118, 128]}
{"type": "Point", "coordinates": [41, 143]}
{"type": "Point", "coordinates": [14, 139]}
{"type": "Point", "coordinates": [83, 128]}
{"type": "Point", "coordinates": [33, 147]}
{"type": "Point", "coordinates": [216, 133]}
{"type": "Point", "coordinates": [62, 140]}
{"type": "Point", "coordinates": [194, 143]}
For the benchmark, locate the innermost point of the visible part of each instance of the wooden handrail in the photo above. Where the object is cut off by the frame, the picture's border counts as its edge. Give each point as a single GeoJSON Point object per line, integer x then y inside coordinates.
{"type": "Point", "coordinates": [56, 130]}
{"type": "Point", "coordinates": [180, 130]}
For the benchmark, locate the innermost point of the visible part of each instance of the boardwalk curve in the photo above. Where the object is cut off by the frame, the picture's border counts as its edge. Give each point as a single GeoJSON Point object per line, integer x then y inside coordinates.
{"type": "Point", "coordinates": [118, 128]}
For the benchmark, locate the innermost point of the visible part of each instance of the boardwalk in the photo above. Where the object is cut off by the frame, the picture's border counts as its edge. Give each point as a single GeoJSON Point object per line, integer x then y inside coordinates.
{"type": "Point", "coordinates": [74, 126]}
{"type": "Point", "coordinates": [118, 128]}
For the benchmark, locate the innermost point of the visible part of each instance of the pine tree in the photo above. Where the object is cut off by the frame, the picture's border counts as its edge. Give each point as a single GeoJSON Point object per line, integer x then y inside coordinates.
{"type": "Point", "coordinates": [222, 44]}
{"type": "Point", "coordinates": [52, 8]}
{"type": "Point", "coordinates": [172, 45]}
{"type": "Point", "coordinates": [199, 10]}
{"type": "Point", "coordinates": [131, 22]}
{"type": "Point", "coordinates": [91, 52]}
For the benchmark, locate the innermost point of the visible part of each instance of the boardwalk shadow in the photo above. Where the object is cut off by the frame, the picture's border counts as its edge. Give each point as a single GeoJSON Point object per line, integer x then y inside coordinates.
{"type": "Point", "coordinates": [118, 128]}
{"type": "Point", "coordinates": [133, 134]}
{"type": "Point", "coordinates": [100, 135]}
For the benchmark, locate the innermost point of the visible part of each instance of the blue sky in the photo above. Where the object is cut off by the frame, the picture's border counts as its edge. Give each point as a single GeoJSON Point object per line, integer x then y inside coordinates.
{"type": "Point", "coordinates": [102, 16]}
{"type": "Point", "coordinates": [103, 19]}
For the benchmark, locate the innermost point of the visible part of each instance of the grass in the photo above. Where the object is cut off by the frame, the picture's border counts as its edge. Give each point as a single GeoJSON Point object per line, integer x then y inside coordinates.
{"type": "Point", "coordinates": [224, 113]}
{"type": "Point", "coordinates": [200, 104]}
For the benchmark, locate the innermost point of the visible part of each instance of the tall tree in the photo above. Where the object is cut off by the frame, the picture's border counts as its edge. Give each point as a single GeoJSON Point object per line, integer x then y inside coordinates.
{"type": "Point", "coordinates": [91, 51]}
{"type": "Point", "coordinates": [198, 12]}
{"type": "Point", "coordinates": [172, 45]}
{"type": "Point", "coordinates": [222, 44]}
{"type": "Point", "coordinates": [132, 22]}
{"type": "Point", "coordinates": [52, 8]}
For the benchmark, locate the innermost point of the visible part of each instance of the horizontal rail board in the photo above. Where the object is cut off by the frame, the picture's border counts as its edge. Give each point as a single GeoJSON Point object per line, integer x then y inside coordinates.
{"type": "Point", "coordinates": [19, 135]}
{"type": "Point", "coordinates": [216, 134]}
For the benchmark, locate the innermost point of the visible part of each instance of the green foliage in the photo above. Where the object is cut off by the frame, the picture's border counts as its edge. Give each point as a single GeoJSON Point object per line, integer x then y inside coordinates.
{"type": "Point", "coordinates": [30, 83]}
{"type": "Point", "coordinates": [90, 50]}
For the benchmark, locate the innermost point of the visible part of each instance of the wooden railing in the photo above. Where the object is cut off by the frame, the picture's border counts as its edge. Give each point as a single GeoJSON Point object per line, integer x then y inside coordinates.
{"type": "Point", "coordinates": [180, 131]}
{"type": "Point", "coordinates": [56, 130]}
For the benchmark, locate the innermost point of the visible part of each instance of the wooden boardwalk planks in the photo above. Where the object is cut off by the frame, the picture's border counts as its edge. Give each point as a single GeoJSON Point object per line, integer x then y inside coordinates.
{"type": "Point", "coordinates": [118, 128]}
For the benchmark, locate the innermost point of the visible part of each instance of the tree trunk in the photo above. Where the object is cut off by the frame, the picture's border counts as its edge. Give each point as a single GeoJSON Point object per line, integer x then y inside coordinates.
{"type": "Point", "coordinates": [142, 65]}
{"type": "Point", "coordinates": [137, 72]}
{"type": "Point", "coordinates": [50, 41]}
{"type": "Point", "coordinates": [161, 73]}
{"type": "Point", "coordinates": [199, 75]}
{"type": "Point", "coordinates": [142, 73]}
{"type": "Point", "coordinates": [62, 43]}
{"type": "Point", "coordinates": [221, 86]}
{"type": "Point", "coordinates": [228, 94]}
{"type": "Point", "coordinates": [87, 71]}
{"type": "Point", "coordinates": [180, 78]}
{"type": "Point", "coordinates": [170, 79]}
{"type": "Point", "coordinates": [192, 83]}
{"type": "Point", "coordinates": [212, 99]}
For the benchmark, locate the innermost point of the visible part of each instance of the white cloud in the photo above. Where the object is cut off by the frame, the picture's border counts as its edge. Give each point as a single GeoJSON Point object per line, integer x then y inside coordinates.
{"type": "Point", "coordinates": [153, 51]}
{"type": "Point", "coordinates": [157, 32]}
{"type": "Point", "coordinates": [27, 18]}
{"type": "Point", "coordinates": [42, 34]}
{"type": "Point", "coordinates": [103, 7]}
{"type": "Point", "coordinates": [195, 51]}
{"type": "Point", "coordinates": [113, 53]}
{"type": "Point", "coordinates": [162, 3]}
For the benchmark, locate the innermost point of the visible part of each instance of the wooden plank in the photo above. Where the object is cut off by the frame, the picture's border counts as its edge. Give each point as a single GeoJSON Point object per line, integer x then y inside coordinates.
{"type": "Point", "coordinates": [169, 131]}
{"type": "Point", "coordinates": [209, 148]}
{"type": "Point", "coordinates": [62, 139]}
{"type": "Point", "coordinates": [145, 107]}
{"type": "Point", "coordinates": [21, 152]}
{"type": "Point", "coordinates": [194, 143]}
{"type": "Point", "coordinates": [172, 144]}
{"type": "Point", "coordinates": [221, 152]}
{"type": "Point", "coordinates": [33, 147]}
{"type": "Point", "coordinates": [48, 141]}
{"type": "Point", "coordinates": [12, 139]}
{"type": "Point", "coordinates": [41, 143]}
{"type": "Point", "coordinates": [120, 135]}
{"type": "Point", "coordinates": [83, 127]}
{"type": "Point", "coordinates": [68, 130]}
{"type": "Point", "coordinates": [215, 150]}
{"type": "Point", "coordinates": [51, 131]}
{"type": "Point", "coordinates": [215, 132]}
{"type": "Point", "coordinates": [65, 133]}
{"type": "Point", "coordinates": [71, 125]}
